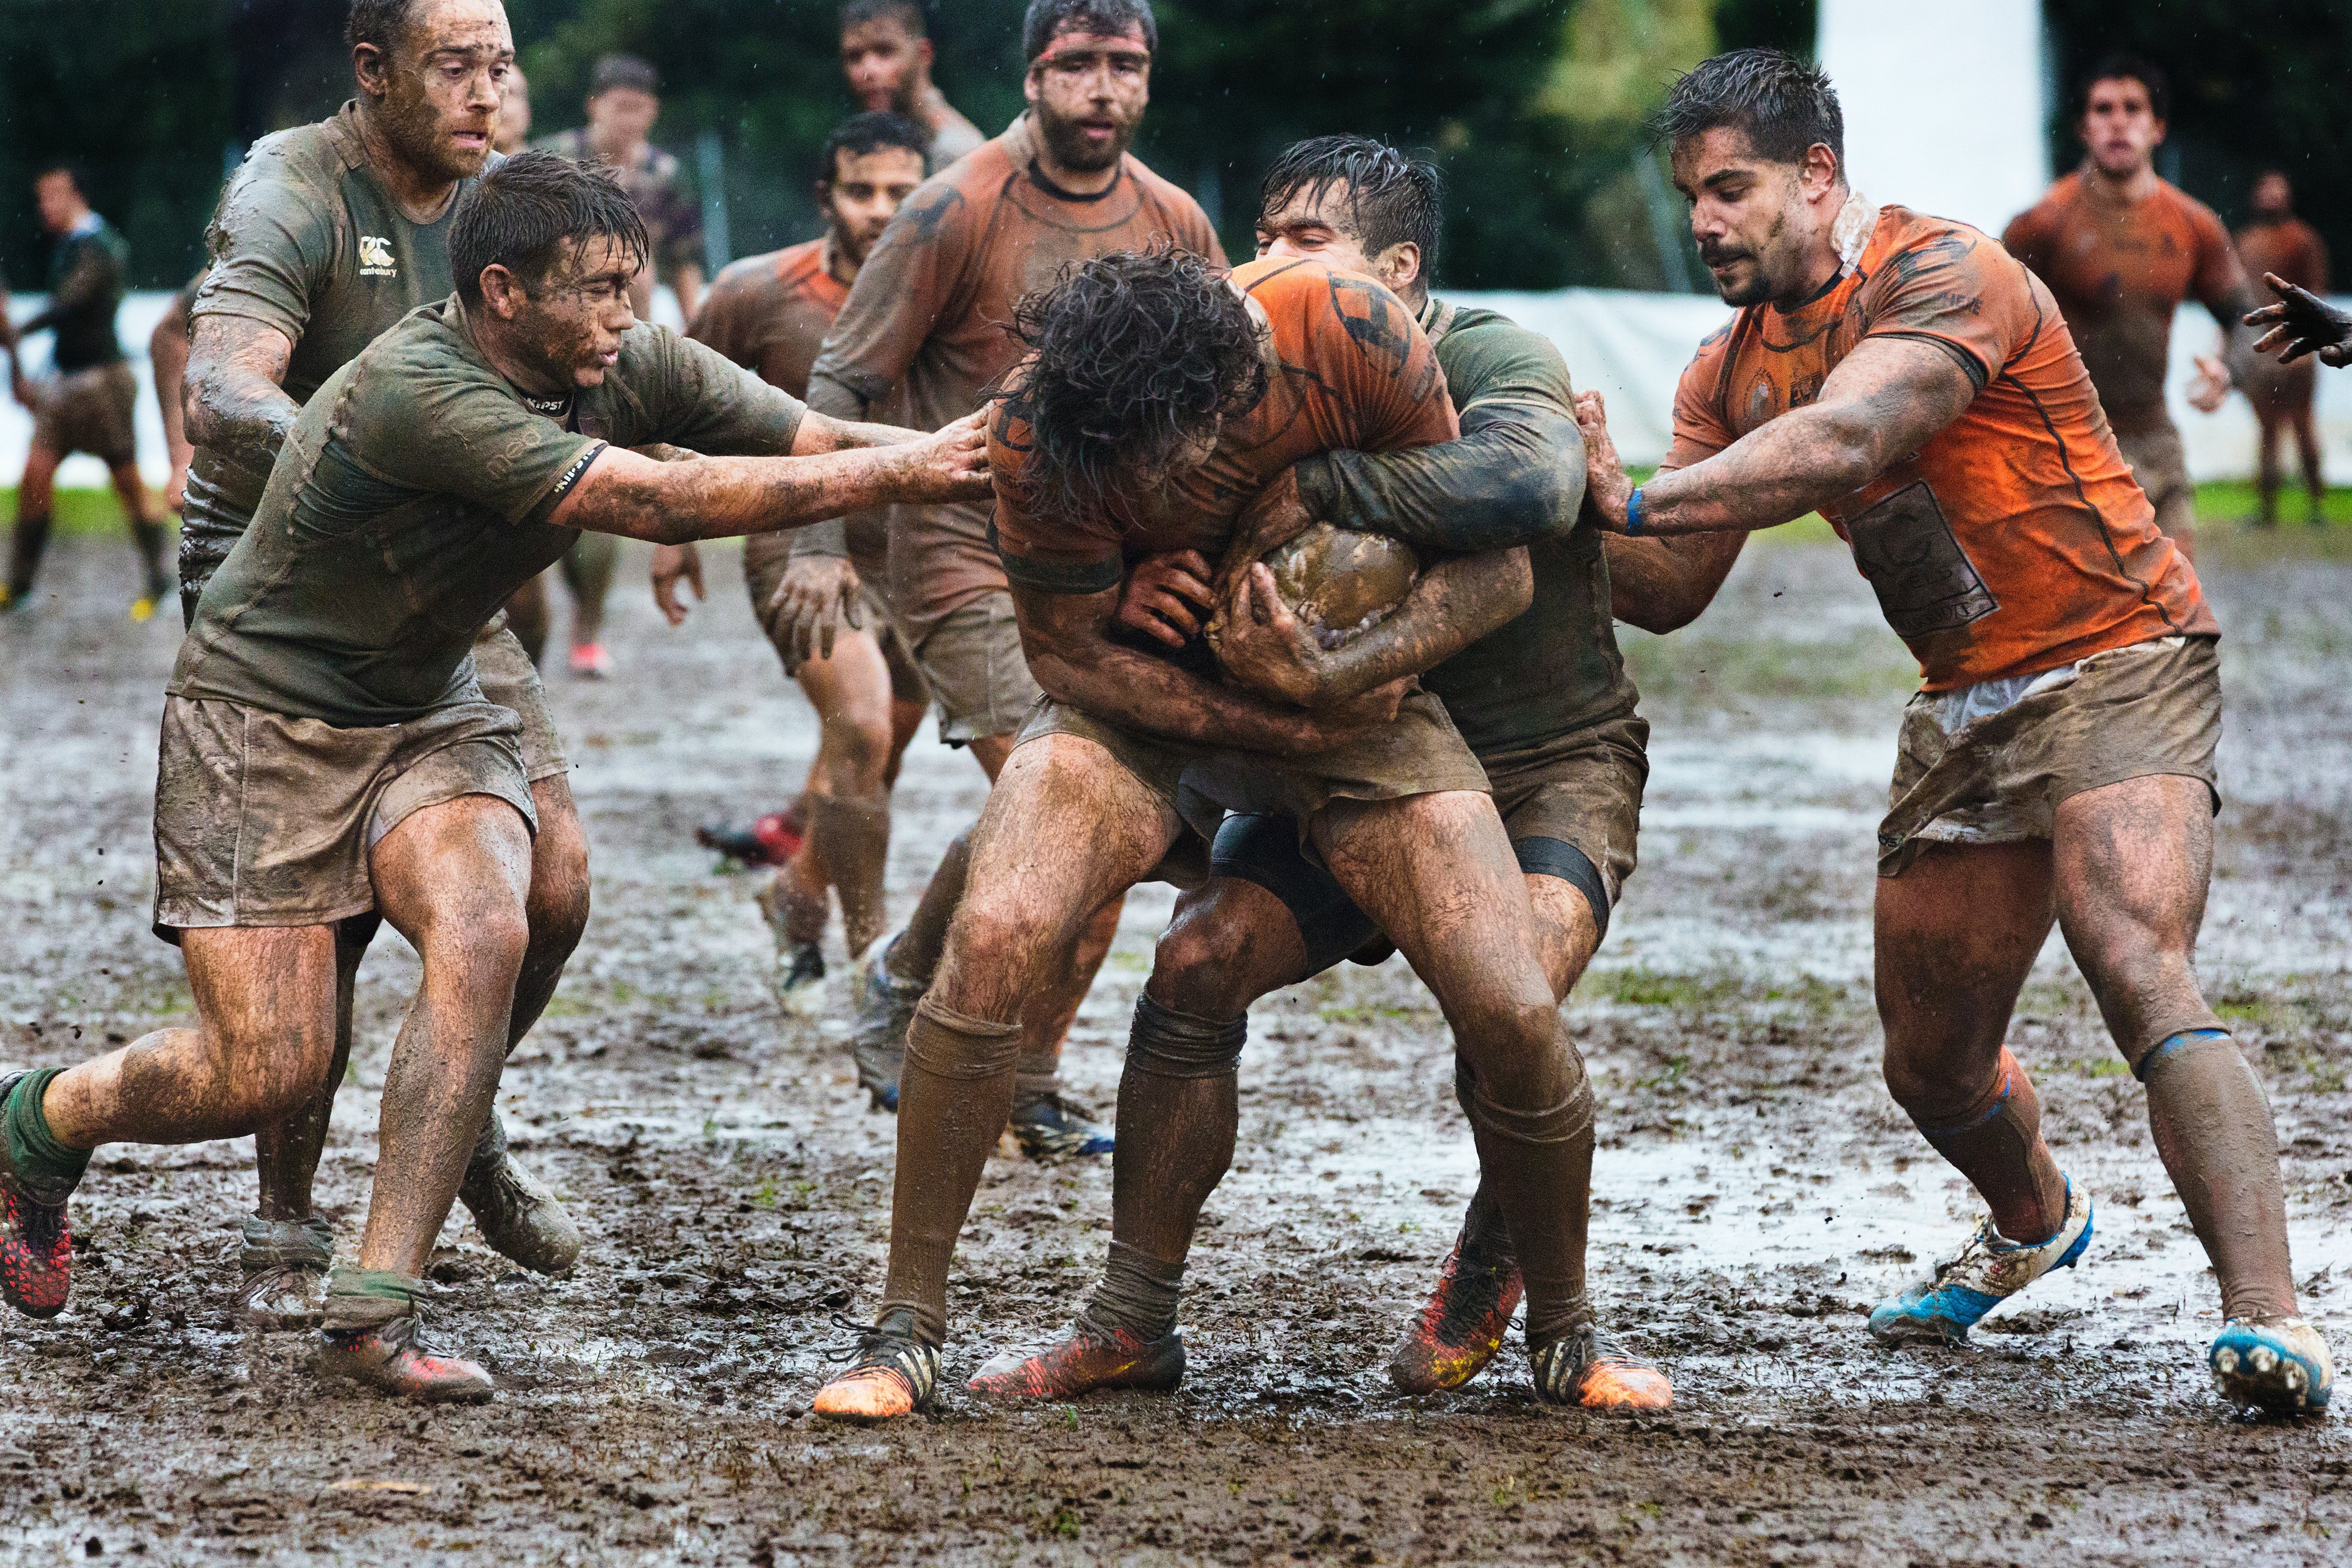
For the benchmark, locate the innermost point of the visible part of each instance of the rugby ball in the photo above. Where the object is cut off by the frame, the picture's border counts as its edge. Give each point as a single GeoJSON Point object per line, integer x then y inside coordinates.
{"type": "Point", "coordinates": [1341, 584]}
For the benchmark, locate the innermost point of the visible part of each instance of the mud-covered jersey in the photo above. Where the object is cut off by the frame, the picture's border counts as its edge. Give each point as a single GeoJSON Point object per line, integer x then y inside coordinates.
{"type": "Point", "coordinates": [411, 500]}
{"type": "Point", "coordinates": [656, 188]}
{"type": "Point", "coordinates": [1353, 372]}
{"type": "Point", "coordinates": [924, 333]}
{"type": "Point", "coordinates": [87, 281]}
{"type": "Point", "coordinates": [307, 240]}
{"type": "Point", "coordinates": [2290, 247]}
{"type": "Point", "coordinates": [2119, 270]}
{"type": "Point", "coordinates": [2015, 540]}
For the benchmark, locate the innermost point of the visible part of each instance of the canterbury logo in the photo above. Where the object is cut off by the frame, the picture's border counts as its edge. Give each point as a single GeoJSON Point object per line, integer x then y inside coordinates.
{"type": "Point", "coordinates": [376, 256]}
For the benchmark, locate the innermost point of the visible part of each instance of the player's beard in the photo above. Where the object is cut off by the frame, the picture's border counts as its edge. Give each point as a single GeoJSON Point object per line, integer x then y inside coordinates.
{"type": "Point", "coordinates": [411, 122]}
{"type": "Point", "coordinates": [1066, 140]}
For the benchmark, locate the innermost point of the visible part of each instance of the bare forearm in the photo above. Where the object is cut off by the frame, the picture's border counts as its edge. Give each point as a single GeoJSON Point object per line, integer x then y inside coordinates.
{"type": "Point", "coordinates": [723, 497]}
{"type": "Point", "coordinates": [235, 403]}
{"type": "Point", "coordinates": [1140, 692]}
{"type": "Point", "coordinates": [1662, 584]}
{"type": "Point", "coordinates": [1453, 606]}
{"type": "Point", "coordinates": [167, 356]}
{"type": "Point", "coordinates": [1799, 461]}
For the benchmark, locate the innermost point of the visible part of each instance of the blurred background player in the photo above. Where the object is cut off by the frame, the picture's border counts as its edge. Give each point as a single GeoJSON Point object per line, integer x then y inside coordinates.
{"type": "Point", "coordinates": [770, 314]}
{"type": "Point", "coordinates": [513, 133]}
{"type": "Point", "coordinates": [2121, 249]}
{"type": "Point", "coordinates": [624, 102]}
{"type": "Point", "coordinates": [886, 53]}
{"type": "Point", "coordinates": [85, 406]}
{"type": "Point", "coordinates": [2280, 243]}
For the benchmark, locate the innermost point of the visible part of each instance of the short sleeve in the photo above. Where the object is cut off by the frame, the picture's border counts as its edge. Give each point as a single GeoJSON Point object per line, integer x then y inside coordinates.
{"type": "Point", "coordinates": [1955, 289]}
{"type": "Point", "coordinates": [1039, 559]}
{"type": "Point", "coordinates": [1385, 367]}
{"type": "Point", "coordinates": [272, 244]}
{"type": "Point", "coordinates": [900, 293]}
{"type": "Point", "coordinates": [459, 432]}
{"type": "Point", "coordinates": [695, 398]}
{"type": "Point", "coordinates": [1699, 428]}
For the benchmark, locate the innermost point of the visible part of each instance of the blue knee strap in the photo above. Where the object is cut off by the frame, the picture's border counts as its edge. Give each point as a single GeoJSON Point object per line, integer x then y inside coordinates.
{"type": "Point", "coordinates": [2173, 1044]}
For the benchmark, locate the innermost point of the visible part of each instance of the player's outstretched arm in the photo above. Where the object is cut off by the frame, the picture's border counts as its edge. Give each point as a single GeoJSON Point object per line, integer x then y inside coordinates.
{"type": "Point", "coordinates": [720, 498]}
{"type": "Point", "coordinates": [1887, 398]}
{"type": "Point", "coordinates": [1515, 477]}
{"type": "Point", "coordinates": [1074, 662]}
{"type": "Point", "coordinates": [2302, 323]}
{"type": "Point", "coordinates": [235, 398]}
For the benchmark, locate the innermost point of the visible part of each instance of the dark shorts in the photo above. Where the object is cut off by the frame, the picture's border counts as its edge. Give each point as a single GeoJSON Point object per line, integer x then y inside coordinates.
{"type": "Point", "coordinates": [265, 820]}
{"type": "Point", "coordinates": [765, 556]}
{"type": "Point", "coordinates": [89, 411]}
{"type": "Point", "coordinates": [2152, 709]}
{"type": "Point", "coordinates": [1573, 808]}
{"type": "Point", "coordinates": [510, 681]}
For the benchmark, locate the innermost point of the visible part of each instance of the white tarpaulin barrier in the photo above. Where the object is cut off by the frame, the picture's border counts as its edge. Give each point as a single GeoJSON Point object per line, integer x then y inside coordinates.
{"type": "Point", "coordinates": [1630, 347]}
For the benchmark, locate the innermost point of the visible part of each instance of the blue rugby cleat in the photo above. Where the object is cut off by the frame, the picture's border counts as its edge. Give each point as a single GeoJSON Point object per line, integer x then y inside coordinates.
{"type": "Point", "coordinates": [2280, 1368]}
{"type": "Point", "coordinates": [1052, 1126]}
{"type": "Point", "coordinates": [1987, 1271]}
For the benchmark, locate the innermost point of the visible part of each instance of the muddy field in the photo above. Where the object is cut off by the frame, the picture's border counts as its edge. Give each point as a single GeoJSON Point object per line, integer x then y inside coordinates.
{"type": "Point", "coordinates": [1757, 1188]}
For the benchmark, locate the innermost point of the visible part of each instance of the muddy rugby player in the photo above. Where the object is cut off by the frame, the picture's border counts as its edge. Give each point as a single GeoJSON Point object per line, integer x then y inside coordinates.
{"type": "Point", "coordinates": [2120, 249]}
{"type": "Point", "coordinates": [1914, 383]}
{"type": "Point", "coordinates": [922, 337]}
{"type": "Point", "coordinates": [2277, 243]}
{"type": "Point", "coordinates": [327, 235]}
{"type": "Point", "coordinates": [886, 56]}
{"type": "Point", "coordinates": [770, 314]}
{"type": "Point", "coordinates": [327, 753]}
{"type": "Point", "coordinates": [1544, 702]}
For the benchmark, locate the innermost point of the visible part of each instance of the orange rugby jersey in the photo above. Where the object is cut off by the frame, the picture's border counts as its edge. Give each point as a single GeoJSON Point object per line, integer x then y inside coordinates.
{"type": "Point", "coordinates": [1355, 373]}
{"type": "Point", "coordinates": [2015, 540]}
{"type": "Point", "coordinates": [770, 313]}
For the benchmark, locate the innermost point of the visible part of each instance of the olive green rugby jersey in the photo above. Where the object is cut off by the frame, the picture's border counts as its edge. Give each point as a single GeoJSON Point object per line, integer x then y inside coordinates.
{"type": "Point", "coordinates": [308, 240]}
{"type": "Point", "coordinates": [412, 498]}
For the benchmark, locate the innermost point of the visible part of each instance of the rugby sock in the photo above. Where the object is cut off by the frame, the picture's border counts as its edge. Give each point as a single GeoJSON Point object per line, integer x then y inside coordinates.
{"type": "Point", "coordinates": [1539, 1165]}
{"type": "Point", "coordinates": [41, 1161]}
{"type": "Point", "coordinates": [1036, 1074]}
{"type": "Point", "coordinates": [149, 539]}
{"type": "Point", "coordinates": [2213, 1129]}
{"type": "Point", "coordinates": [915, 952]}
{"type": "Point", "coordinates": [1996, 1142]}
{"type": "Point", "coordinates": [26, 547]}
{"type": "Point", "coordinates": [854, 838]}
{"type": "Point", "coordinates": [955, 1093]}
{"type": "Point", "coordinates": [1484, 1237]}
{"type": "Point", "coordinates": [1137, 1293]}
{"type": "Point", "coordinates": [1177, 1107]}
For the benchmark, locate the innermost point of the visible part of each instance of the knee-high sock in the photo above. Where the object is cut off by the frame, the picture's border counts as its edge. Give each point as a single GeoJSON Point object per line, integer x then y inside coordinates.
{"type": "Point", "coordinates": [1485, 1237]}
{"type": "Point", "coordinates": [854, 836]}
{"type": "Point", "coordinates": [2213, 1129]}
{"type": "Point", "coordinates": [1996, 1142]}
{"type": "Point", "coordinates": [27, 545]}
{"type": "Point", "coordinates": [955, 1091]}
{"type": "Point", "coordinates": [149, 539]}
{"type": "Point", "coordinates": [1539, 1162]}
{"type": "Point", "coordinates": [1177, 1112]}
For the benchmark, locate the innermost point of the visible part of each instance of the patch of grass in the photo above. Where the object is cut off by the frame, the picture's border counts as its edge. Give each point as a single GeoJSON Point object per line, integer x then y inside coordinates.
{"type": "Point", "coordinates": [78, 512]}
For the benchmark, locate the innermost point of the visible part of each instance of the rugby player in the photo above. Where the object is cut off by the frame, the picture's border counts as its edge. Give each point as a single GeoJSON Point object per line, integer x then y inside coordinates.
{"type": "Point", "coordinates": [1159, 400]}
{"type": "Point", "coordinates": [2278, 243]}
{"type": "Point", "coordinates": [1913, 382]}
{"type": "Point", "coordinates": [1545, 704]}
{"type": "Point", "coordinates": [167, 363]}
{"type": "Point", "coordinates": [922, 334]}
{"type": "Point", "coordinates": [87, 405]}
{"type": "Point", "coordinates": [2121, 249]}
{"type": "Point", "coordinates": [327, 235]}
{"type": "Point", "coordinates": [327, 750]}
{"type": "Point", "coordinates": [886, 55]}
{"type": "Point", "coordinates": [527, 611]}
{"type": "Point", "coordinates": [624, 102]}
{"type": "Point", "coordinates": [770, 314]}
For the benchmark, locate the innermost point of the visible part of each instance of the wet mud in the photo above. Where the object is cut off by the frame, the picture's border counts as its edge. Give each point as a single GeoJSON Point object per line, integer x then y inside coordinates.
{"type": "Point", "coordinates": [1756, 1188]}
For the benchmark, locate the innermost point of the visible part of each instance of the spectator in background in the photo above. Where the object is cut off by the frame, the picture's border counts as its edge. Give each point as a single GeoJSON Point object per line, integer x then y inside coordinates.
{"type": "Point", "coordinates": [886, 53]}
{"type": "Point", "coordinates": [513, 133]}
{"type": "Point", "coordinates": [86, 405]}
{"type": "Point", "coordinates": [624, 102]}
{"type": "Point", "coordinates": [2279, 244]}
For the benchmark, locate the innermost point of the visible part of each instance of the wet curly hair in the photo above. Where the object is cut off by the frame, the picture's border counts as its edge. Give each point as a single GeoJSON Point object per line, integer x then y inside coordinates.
{"type": "Point", "coordinates": [1133, 355]}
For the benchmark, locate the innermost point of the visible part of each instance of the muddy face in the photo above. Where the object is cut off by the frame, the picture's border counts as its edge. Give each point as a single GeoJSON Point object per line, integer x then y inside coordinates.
{"type": "Point", "coordinates": [882, 62]}
{"type": "Point", "coordinates": [863, 194]}
{"type": "Point", "coordinates": [570, 322]}
{"type": "Point", "coordinates": [1089, 93]}
{"type": "Point", "coordinates": [1749, 215]}
{"type": "Point", "coordinates": [2119, 127]}
{"type": "Point", "coordinates": [437, 94]}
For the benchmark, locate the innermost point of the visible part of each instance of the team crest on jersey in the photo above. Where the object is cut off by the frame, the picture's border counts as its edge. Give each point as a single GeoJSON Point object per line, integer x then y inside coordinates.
{"type": "Point", "coordinates": [376, 256]}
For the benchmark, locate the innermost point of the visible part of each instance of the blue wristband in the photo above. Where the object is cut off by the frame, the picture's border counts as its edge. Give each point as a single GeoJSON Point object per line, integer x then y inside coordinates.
{"type": "Point", "coordinates": [1633, 513]}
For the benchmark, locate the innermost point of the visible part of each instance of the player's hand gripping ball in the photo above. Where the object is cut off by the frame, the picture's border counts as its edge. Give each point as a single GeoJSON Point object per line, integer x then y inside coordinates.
{"type": "Point", "coordinates": [1341, 584]}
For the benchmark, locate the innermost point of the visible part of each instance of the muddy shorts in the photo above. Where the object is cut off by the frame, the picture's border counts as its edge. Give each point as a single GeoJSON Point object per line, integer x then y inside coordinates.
{"type": "Point", "coordinates": [765, 556]}
{"type": "Point", "coordinates": [89, 411]}
{"type": "Point", "coordinates": [510, 681]}
{"type": "Point", "coordinates": [265, 820]}
{"type": "Point", "coordinates": [1991, 763]}
{"type": "Point", "coordinates": [2160, 464]}
{"type": "Point", "coordinates": [1573, 808]}
{"type": "Point", "coordinates": [973, 660]}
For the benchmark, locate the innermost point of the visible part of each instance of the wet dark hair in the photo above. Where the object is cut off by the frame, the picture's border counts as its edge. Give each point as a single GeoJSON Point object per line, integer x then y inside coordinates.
{"type": "Point", "coordinates": [2126, 68]}
{"type": "Point", "coordinates": [519, 214]}
{"type": "Point", "coordinates": [1047, 19]}
{"type": "Point", "coordinates": [870, 133]}
{"type": "Point", "coordinates": [623, 71]}
{"type": "Point", "coordinates": [905, 12]}
{"type": "Point", "coordinates": [1392, 199]}
{"type": "Point", "coordinates": [71, 168]}
{"type": "Point", "coordinates": [376, 22]}
{"type": "Point", "coordinates": [1785, 107]}
{"type": "Point", "coordinates": [1133, 355]}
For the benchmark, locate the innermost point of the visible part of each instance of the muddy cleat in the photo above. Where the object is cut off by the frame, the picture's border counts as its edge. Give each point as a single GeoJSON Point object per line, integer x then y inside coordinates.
{"type": "Point", "coordinates": [2281, 1367]}
{"type": "Point", "coordinates": [770, 841]}
{"type": "Point", "coordinates": [35, 1242]}
{"type": "Point", "coordinates": [285, 1263]}
{"type": "Point", "coordinates": [800, 979]}
{"type": "Point", "coordinates": [1460, 1328]}
{"type": "Point", "coordinates": [893, 1374]}
{"type": "Point", "coordinates": [1084, 1359]}
{"type": "Point", "coordinates": [1590, 1370]}
{"type": "Point", "coordinates": [397, 1358]}
{"type": "Point", "coordinates": [1987, 1271]}
{"type": "Point", "coordinates": [516, 1211]}
{"type": "Point", "coordinates": [1051, 1126]}
{"type": "Point", "coordinates": [885, 1008]}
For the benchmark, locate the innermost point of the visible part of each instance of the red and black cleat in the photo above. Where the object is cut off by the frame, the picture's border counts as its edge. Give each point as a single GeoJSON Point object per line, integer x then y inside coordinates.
{"type": "Point", "coordinates": [1460, 1328]}
{"type": "Point", "coordinates": [397, 1358]}
{"type": "Point", "coordinates": [1083, 1360]}
{"type": "Point", "coordinates": [770, 841]}
{"type": "Point", "coordinates": [35, 1243]}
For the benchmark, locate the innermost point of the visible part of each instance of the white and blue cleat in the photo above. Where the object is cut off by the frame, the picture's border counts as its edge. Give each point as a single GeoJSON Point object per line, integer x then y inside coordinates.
{"type": "Point", "coordinates": [2280, 1368]}
{"type": "Point", "coordinates": [1988, 1270]}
